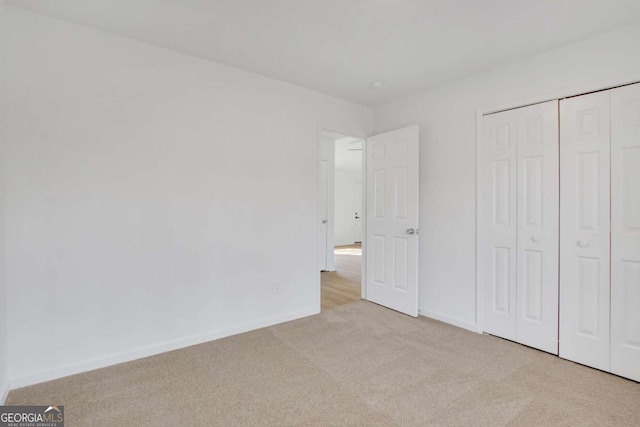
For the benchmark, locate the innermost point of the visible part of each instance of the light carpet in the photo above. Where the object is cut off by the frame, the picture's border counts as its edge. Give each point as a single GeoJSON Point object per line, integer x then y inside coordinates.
{"type": "Point", "coordinates": [357, 365]}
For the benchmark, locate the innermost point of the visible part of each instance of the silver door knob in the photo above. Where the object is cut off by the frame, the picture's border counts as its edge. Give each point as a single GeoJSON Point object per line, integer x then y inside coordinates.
{"type": "Point", "coordinates": [535, 239]}
{"type": "Point", "coordinates": [324, 221]}
{"type": "Point", "coordinates": [411, 231]}
{"type": "Point", "coordinates": [583, 244]}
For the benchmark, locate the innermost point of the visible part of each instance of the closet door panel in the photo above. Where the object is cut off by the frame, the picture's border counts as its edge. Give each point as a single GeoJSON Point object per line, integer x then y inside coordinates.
{"type": "Point", "coordinates": [537, 234]}
{"type": "Point", "coordinates": [625, 231]}
{"type": "Point", "coordinates": [499, 224]}
{"type": "Point", "coordinates": [584, 229]}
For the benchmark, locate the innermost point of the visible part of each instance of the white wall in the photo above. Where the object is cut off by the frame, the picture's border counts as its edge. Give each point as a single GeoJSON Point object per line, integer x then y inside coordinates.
{"type": "Point", "coordinates": [152, 198]}
{"type": "Point", "coordinates": [345, 200]}
{"type": "Point", "coordinates": [4, 370]}
{"type": "Point", "coordinates": [447, 118]}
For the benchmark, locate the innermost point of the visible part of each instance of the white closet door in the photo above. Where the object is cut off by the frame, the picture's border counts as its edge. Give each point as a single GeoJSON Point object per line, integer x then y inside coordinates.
{"type": "Point", "coordinates": [625, 231]}
{"type": "Point", "coordinates": [584, 229]}
{"type": "Point", "coordinates": [537, 234]}
{"type": "Point", "coordinates": [499, 224]}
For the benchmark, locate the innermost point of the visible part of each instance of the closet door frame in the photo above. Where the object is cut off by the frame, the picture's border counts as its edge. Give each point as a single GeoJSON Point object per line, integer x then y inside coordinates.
{"type": "Point", "coordinates": [569, 91]}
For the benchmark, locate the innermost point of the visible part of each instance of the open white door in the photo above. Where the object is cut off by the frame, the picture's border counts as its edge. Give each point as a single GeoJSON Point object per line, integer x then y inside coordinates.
{"type": "Point", "coordinates": [392, 220]}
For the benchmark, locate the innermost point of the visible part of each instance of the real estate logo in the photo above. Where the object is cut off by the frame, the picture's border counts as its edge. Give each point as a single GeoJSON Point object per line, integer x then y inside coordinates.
{"type": "Point", "coordinates": [31, 416]}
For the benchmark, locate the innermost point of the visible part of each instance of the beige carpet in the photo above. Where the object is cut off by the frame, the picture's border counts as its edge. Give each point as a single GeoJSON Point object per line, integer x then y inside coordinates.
{"type": "Point", "coordinates": [359, 364]}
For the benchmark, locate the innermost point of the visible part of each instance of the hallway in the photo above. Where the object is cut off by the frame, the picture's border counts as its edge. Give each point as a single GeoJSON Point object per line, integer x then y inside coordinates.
{"type": "Point", "coordinates": [343, 286]}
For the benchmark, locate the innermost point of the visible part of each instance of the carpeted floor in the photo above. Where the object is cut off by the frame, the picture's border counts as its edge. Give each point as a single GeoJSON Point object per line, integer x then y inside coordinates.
{"type": "Point", "coordinates": [356, 365]}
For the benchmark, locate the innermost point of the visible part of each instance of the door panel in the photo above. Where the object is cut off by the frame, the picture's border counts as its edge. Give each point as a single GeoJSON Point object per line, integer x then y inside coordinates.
{"type": "Point", "coordinates": [499, 223]}
{"type": "Point", "coordinates": [392, 209]}
{"type": "Point", "coordinates": [625, 231]}
{"type": "Point", "coordinates": [538, 234]}
{"type": "Point", "coordinates": [502, 280]}
{"type": "Point", "coordinates": [584, 229]}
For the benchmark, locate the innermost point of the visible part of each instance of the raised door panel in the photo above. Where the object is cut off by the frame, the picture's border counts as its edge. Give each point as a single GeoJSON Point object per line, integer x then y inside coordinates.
{"type": "Point", "coordinates": [537, 230]}
{"type": "Point", "coordinates": [584, 229]}
{"type": "Point", "coordinates": [499, 267]}
{"type": "Point", "coordinates": [625, 231]}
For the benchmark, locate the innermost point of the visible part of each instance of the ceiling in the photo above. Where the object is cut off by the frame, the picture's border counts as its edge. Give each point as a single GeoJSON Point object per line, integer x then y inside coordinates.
{"type": "Point", "coordinates": [339, 47]}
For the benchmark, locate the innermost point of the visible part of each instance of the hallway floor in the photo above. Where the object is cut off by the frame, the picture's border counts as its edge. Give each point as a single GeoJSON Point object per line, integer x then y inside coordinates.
{"type": "Point", "coordinates": [343, 285]}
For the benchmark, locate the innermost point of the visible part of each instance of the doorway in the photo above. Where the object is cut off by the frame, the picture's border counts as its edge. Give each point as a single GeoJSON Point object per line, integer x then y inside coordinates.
{"type": "Point", "coordinates": [389, 181]}
{"type": "Point", "coordinates": [340, 210]}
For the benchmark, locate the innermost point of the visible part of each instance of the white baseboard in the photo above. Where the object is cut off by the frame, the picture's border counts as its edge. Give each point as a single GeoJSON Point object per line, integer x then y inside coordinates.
{"type": "Point", "coordinates": [460, 323]}
{"type": "Point", "coordinates": [114, 359]}
{"type": "Point", "coordinates": [4, 392]}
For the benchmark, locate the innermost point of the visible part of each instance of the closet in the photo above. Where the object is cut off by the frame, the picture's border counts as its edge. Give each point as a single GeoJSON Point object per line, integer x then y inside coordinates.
{"type": "Point", "coordinates": [600, 230]}
{"type": "Point", "coordinates": [559, 230]}
{"type": "Point", "coordinates": [519, 225]}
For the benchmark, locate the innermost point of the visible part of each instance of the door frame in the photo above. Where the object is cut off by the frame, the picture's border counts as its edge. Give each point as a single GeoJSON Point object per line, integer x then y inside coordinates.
{"type": "Point", "coordinates": [606, 84]}
{"type": "Point", "coordinates": [363, 266]}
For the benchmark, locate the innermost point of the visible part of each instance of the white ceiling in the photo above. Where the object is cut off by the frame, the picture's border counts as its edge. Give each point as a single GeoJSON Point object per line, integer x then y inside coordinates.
{"type": "Point", "coordinates": [339, 47]}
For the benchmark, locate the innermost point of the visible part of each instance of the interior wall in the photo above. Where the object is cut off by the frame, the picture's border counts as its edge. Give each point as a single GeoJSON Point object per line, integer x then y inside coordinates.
{"type": "Point", "coordinates": [345, 200]}
{"type": "Point", "coordinates": [154, 200]}
{"type": "Point", "coordinates": [447, 119]}
{"type": "Point", "coordinates": [4, 370]}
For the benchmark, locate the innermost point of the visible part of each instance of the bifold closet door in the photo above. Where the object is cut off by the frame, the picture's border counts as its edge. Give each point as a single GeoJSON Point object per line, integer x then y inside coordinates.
{"type": "Point", "coordinates": [499, 223]}
{"type": "Point", "coordinates": [538, 222]}
{"type": "Point", "coordinates": [520, 225]}
{"type": "Point", "coordinates": [584, 229]}
{"type": "Point", "coordinates": [625, 231]}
